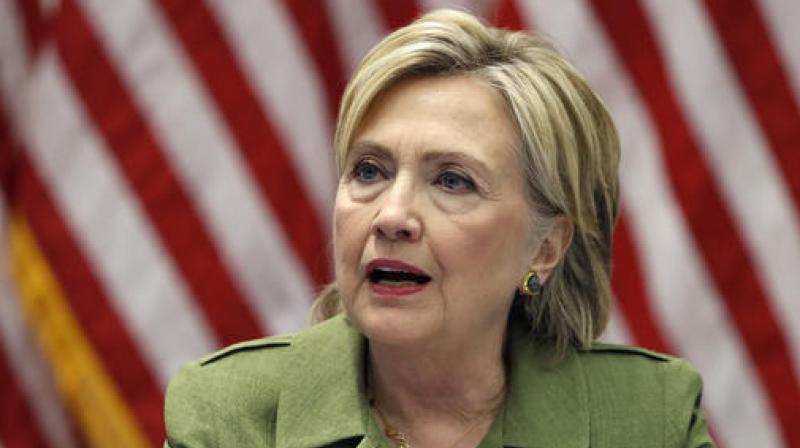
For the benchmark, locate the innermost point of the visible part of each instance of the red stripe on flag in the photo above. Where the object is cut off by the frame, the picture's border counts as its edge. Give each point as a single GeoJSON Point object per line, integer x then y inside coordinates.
{"type": "Point", "coordinates": [6, 152]}
{"type": "Point", "coordinates": [507, 15]}
{"type": "Point", "coordinates": [37, 26]}
{"type": "Point", "coordinates": [18, 428]}
{"type": "Point", "coordinates": [88, 300]}
{"type": "Point", "coordinates": [397, 13]}
{"type": "Point", "coordinates": [714, 232]}
{"type": "Point", "coordinates": [313, 22]}
{"type": "Point", "coordinates": [760, 71]}
{"type": "Point", "coordinates": [133, 146]}
{"type": "Point", "coordinates": [257, 138]}
{"type": "Point", "coordinates": [629, 287]}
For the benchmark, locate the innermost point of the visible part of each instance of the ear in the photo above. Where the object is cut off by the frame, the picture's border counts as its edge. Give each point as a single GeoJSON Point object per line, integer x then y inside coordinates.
{"type": "Point", "coordinates": [553, 246]}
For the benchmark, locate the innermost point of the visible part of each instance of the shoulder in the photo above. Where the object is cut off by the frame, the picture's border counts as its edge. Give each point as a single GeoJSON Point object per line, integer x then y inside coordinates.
{"type": "Point", "coordinates": [237, 362]}
{"type": "Point", "coordinates": [637, 368]}
{"type": "Point", "coordinates": [652, 389]}
{"type": "Point", "coordinates": [240, 384]}
{"type": "Point", "coordinates": [237, 365]}
{"type": "Point", "coordinates": [247, 350]}
{"type": "Point", "coordinates": [601, 351]}
{"type": "Point", "coordinates": [629, 360]}
{"type": "Point", "coordinates": [264, 360]}
{"type": "Point", "coordinates": [228, 387]}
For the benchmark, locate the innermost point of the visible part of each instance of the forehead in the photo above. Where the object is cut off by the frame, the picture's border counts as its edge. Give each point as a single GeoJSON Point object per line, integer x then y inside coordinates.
{"type": "Point", "coordinates": [442, 114]}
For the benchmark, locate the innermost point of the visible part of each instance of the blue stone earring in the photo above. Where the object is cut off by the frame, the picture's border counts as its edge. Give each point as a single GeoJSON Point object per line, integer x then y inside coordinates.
{"type": "Point", "coordinates": [531, 285]}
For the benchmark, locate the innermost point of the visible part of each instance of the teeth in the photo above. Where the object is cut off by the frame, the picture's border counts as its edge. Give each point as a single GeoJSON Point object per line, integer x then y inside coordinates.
{"type": "Point", "coordinates": [397, 283]}
{"type": "Point", "coordinates": [389, 270]}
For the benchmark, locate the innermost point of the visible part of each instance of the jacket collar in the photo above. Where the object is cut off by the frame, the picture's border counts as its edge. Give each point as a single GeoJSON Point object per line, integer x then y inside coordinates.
{"type": "Point", "coordinates": [547, 405]}
{"type": "Point", "coordinates": [330, 403]}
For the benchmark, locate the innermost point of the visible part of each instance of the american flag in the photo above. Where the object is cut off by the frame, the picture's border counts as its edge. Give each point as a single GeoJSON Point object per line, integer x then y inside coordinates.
{"type": "Point", "coordinates": [167, 177]}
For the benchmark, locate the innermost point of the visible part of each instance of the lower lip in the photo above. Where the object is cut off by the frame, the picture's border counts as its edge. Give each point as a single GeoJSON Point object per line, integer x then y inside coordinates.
{"type": "Point", "coordinates": [385, 290]}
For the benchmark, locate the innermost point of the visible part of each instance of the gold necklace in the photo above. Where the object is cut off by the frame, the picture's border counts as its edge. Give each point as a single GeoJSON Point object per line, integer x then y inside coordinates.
{"type": "Point", "coordinates": [400, 439]}
{"type": "Point", "coordinates": [397, 437]}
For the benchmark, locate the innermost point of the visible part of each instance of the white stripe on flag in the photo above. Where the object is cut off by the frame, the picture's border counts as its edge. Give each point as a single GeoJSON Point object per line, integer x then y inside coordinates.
{"type": "Point", "coordinates": [476, 7]}
{"type": "Point", "coordinates": [107, 219]}
{"type": "Point", "coordinates": [737, 152]}
{"type": "Point", "coordinates": [275, 61]}
{"type": "Point", "coordinates": [617, 331]}
{"type": "Point", "coordinates": [357, 26]}
{"type": "Point", "coordinates": [687, 305]}
{"type": "Point", "coordinates": [206, 160]}
{"type": "Point", "coordinates": [14, 51]}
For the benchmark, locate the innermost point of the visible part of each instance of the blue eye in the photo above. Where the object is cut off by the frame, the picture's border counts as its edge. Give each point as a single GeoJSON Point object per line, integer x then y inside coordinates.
{"type": "Point", "coordinates": [455, 182]}
{"type": "Point", "coordinates": [367, 171]}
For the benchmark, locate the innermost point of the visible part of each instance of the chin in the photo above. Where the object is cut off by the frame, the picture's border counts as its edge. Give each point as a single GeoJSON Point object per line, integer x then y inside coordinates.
{"type": "Point", "coordinates": [392, 326]}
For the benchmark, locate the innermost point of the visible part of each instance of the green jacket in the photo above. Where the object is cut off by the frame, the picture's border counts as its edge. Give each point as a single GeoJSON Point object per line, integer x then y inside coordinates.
{"type": "Point", "coordinates": [307, 390]}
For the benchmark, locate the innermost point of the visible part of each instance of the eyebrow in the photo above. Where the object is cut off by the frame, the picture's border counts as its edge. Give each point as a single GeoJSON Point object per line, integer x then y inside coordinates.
{"type": "Point", "coordinates": [457, 156]}
{"type": "Point", "coordinates": [432, 155]}
{"type": "Point", "coordinates": [368, 146]}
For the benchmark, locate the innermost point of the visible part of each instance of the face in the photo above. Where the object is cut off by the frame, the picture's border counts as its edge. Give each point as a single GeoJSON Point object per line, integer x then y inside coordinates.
{"type": "Point", "coordinates": [431, 223]}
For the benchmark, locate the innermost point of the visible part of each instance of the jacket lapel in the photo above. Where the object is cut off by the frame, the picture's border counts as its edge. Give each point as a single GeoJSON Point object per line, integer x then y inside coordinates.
{"type": "Point", "coordinates": [547, 404]}
{"type": "Point", "coordinates": [324, 400]}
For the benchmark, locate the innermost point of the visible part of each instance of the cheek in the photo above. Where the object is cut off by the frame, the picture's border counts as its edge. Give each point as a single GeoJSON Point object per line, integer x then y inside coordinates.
{"type": "Point", "coordinates": [498, 241]}
{"type": "Point", "coordinates": [350, 233]}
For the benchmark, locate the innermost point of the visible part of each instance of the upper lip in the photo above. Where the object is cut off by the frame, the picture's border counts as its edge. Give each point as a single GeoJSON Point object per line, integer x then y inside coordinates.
{"type": "Point", "coordinates": [379, 263]}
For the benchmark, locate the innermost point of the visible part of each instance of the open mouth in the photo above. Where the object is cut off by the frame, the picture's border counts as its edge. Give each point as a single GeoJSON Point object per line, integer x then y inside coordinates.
{"type": "Point", "coordinates": [394, 277]}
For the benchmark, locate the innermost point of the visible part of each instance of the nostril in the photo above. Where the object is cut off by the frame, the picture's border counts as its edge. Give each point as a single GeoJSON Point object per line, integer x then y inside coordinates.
{"type": "Point", "coordinates": [395, 223]}
{"type": "Point", "coordinates": [394, 232]}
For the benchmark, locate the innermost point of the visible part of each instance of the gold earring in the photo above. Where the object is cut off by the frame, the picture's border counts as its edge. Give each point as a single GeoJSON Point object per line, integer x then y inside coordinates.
{"type": "Point", "coordinates": [531, 285]}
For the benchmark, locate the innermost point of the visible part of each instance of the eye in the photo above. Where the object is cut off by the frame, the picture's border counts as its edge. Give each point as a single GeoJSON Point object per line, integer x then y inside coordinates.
{"type": "Point", "coordinates": [455, 182]}
{"type": "Point", "coordinates": [367, 171]}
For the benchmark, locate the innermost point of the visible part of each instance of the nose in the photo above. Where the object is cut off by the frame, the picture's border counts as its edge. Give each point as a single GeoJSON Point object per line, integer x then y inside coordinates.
{"type": "Point", "coordinates": [398, 217]}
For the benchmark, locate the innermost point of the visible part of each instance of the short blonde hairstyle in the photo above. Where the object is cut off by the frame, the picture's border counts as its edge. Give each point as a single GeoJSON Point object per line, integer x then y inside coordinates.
{"type": "Point", "coordinates": [569, 151]}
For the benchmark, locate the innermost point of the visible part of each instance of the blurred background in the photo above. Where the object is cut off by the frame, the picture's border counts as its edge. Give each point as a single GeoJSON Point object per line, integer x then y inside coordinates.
{"type": "Point", "coordinates": [168, 179]}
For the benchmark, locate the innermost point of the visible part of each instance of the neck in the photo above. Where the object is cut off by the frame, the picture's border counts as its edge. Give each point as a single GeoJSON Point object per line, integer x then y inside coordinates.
{"type": "Point", "coordinates": [422, 391]}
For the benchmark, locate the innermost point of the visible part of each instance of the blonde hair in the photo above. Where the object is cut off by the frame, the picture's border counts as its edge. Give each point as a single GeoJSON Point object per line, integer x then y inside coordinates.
{"type": "Point", "coordinates": [569, 151]}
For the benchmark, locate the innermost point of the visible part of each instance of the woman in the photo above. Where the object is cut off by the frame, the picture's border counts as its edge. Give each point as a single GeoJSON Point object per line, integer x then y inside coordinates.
{"type": "Point", "coordinates": [472, 244]}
